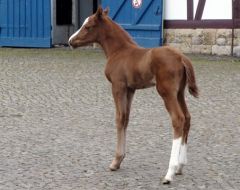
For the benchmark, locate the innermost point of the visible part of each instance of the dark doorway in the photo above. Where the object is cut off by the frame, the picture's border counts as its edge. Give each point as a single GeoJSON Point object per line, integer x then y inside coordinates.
{"type": "Point", "coordinates": [95, 5]}
{"type": "Point", "coordinates": [64, 12]}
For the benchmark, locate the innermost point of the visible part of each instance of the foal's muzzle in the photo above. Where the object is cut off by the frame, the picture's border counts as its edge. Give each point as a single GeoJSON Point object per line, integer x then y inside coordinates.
{"type": "Point", "coordinates": [70, 43]}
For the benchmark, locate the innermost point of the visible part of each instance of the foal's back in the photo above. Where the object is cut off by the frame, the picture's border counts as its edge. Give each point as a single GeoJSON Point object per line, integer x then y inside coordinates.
{"type": "Point", "coordinates": [139, 66]}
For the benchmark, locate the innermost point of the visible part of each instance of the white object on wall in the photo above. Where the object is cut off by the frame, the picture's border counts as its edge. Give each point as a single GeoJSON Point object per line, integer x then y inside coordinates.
{"type": "Point", "coordinates": [217, 9]}
{"type": "Point", "coordinates": [175, 9]}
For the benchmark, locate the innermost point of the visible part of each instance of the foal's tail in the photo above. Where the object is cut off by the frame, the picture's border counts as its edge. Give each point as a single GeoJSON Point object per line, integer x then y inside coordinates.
{"type": "Point", "coordinates": [191, 81]}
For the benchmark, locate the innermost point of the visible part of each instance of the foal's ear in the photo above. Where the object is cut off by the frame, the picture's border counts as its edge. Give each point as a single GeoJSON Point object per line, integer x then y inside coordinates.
{"type": "Point", "coordinates": [106, 11]}
{"type": "Point", "coordinates": [99, 12]}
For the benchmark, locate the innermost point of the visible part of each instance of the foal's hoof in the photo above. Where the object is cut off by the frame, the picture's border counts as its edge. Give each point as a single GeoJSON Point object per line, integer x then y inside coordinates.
{"type": "Point", "coordinates": [166, 182]}
{"type": "Point", "coordinates": [179, 170]}
{"type": "Point", "coordinates": [115, 165]}
{"type": "Point", "coordinates": [178, 173]}
{"type": "Point", "coordinates": [113, 168]}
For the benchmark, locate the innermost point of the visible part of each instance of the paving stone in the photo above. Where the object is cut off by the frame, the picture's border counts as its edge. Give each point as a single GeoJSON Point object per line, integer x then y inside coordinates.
{"type": "Point", "coordinates": [57, 126]}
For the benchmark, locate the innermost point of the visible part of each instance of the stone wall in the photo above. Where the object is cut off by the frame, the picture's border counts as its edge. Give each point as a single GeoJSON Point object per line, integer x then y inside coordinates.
{"type": "Point", "coordinates": [204, 41]}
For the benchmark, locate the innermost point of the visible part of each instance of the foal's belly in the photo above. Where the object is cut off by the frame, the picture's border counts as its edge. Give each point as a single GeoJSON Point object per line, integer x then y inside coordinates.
{"type": "Point", "coordinates": [141, 84]}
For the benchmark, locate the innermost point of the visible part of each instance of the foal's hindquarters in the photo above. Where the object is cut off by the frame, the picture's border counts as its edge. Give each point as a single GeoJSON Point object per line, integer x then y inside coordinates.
{"type": "Point", "coordinates": [172, 72]}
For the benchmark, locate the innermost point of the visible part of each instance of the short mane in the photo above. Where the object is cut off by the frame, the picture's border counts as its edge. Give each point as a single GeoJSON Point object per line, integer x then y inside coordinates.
{"type": "Point", "coordinates": [123, 32]}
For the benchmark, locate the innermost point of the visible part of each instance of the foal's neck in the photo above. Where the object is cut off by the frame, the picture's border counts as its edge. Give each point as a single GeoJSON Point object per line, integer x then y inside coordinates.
{"type": "Point", "coordinates": [115, 39]}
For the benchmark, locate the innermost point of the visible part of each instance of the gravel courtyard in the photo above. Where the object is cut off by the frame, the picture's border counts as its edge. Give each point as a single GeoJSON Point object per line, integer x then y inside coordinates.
{"type": "Point", "coordinates": [57, 127]}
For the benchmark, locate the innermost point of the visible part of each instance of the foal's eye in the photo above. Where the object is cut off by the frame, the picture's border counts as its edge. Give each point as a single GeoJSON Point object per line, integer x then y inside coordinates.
{"type": "Point", "coordinates": [89, 28]}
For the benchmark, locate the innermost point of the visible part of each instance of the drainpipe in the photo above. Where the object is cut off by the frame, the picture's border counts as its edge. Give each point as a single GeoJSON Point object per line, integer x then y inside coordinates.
{"type": "Point", "coordinates": [233, 26]}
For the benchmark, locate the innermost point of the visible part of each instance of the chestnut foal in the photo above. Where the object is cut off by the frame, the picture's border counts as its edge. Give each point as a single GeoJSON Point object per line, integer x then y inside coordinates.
{"type": "Point", "coordinates": [130, 67]}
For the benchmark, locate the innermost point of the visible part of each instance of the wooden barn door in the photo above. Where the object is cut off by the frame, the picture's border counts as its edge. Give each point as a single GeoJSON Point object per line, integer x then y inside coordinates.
{"type": "Point", "coordinates": [142, 19]}
{"type": "Point", "coordinates": [25, 23]}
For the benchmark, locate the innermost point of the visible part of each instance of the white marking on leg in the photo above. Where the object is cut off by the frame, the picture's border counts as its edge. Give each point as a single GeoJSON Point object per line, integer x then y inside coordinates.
{"type": "Point", "coordinates": [76, 33]}
{"type": "Point", "coordinates": [174, 159]}
{"type": "Point", "coordinates": [182, 158]}
{"type": "Point", "coordinates": [183, 154]}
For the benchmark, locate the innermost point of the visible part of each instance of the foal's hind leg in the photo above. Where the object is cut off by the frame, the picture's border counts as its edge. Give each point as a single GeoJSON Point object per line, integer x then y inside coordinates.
{"type": "Point", "coordinates": [123, 98]}
{"type": "Point", "coordinates": [183, 149]}
{"type": "Point", "coordinates": [171, 102]}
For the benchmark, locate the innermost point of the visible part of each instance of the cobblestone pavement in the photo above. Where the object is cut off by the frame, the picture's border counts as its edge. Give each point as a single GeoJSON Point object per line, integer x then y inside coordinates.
{"type": "Point", "coordinates": [57, 126]}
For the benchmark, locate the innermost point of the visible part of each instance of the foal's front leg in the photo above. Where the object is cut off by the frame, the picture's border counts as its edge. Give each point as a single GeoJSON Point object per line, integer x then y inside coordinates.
{"type": "Point", "coordinates": [123, 98]}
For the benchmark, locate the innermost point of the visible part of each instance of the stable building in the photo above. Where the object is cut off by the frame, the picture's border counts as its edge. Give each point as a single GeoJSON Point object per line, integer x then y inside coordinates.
{"type": "Point", "coordinates": [203, 26]}
{"type": "Point", "coordinates": [193, 26]}
{"type": "Point", "coordinates": [41, 23]}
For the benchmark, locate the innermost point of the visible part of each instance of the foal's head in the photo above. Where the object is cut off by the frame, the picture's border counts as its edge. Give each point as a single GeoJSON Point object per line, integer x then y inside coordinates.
{"type": "Point", "coordinates": [90, 30]}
